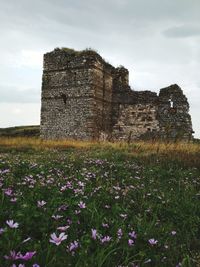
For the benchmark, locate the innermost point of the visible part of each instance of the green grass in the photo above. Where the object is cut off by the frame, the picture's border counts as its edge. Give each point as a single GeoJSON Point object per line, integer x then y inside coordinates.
{"type": "Point", "coordinates": [22, 131]}
{"type": "Point", "coordinates": [133, 188]}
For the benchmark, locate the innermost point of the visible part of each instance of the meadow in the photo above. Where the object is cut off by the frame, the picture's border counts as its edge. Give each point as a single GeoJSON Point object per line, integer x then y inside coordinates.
{"type": "Point", "coordinates": [80, 204]}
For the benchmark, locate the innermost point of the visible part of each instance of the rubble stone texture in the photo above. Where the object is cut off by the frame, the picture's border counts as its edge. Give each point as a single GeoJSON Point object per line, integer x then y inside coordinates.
{"type": "Point", "coordinates": [85, 98]}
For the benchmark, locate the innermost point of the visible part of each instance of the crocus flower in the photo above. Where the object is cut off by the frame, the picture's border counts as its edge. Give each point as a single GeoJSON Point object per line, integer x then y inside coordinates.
{"type": "Point", "coordinates": [11, 224]}
{"type": "Point", "coordinates": [153, 241]}
{"type": "Point", "coordinates": [35, 265]}
{"type": "Point", "coordinates": [8, 192]}
{"type": "Point", "coordinates": [133, 234]}
{"type": "Point", "coordinates": [173, 232]}
{"type": "Point", "coordinates": [130, 242]}
{"type": "Point", "coordinates": [57, 240]}
{"type": "Point", "coordinates": [63, 228]}
{"type": "Point", "coordinates": [13, 255]}
{"type": "Point", "coordinates": [106, 239]}
{"type": "Point", "coordinates": [73, 246]}
{"type": "Point", "coordinates": [56, 217]}
{"type": "Point", "coordinates": [28, 255]}
{"type": "Point", "coordinates": [82, 205]}
{"type": "Point", "coordinates": [14, 199]}
{"type": "Point", "coordinates": [41, 203]}
{"type": "Point", "coordinates": [94, 234]}
{"type": "Point", "coordinates": [1, 231]}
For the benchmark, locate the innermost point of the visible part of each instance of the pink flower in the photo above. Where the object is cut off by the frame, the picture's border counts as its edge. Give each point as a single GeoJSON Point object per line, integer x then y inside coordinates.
{"type": "Point", "coordinates": [14, 199]}
{"type": "Point", "coordinates": [11, 224]}
{"type": "Point", "coordinates": [13, 255]}
{"type": "Point", "coordinates": [133, 234]}
{"type": "Point", "coordinates": [63, 228]}
{"type": "Point", "coordinates": [57, 240]}
{"type": "Point", "coordinates": [130, 242]}
{"type": "Point", "coordinates": [56, 217]}
{"type": "Point", "coordinates": [106, 239]}
{"type": "Point", "coordinates": [94, 234]}
{"type": "Point", "coordinates": [73, 246]}
{"type": "Point", "coordinates": [28, 255]}
{"type": "Point", "coordinates": [8, 192]}
{"type": "Point", "coordinates": [153, 241]}
{"type": "Point", "coordinates": [82, 205]}
{"type": "Point", "coordinates": [41, 203]}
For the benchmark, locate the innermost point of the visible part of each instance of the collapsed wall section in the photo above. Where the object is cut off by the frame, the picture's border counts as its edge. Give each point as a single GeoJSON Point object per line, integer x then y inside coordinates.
{"type": "Point", "coordinates": [137, 116]}
{"type": "Point", "coordinates": [173, 114]}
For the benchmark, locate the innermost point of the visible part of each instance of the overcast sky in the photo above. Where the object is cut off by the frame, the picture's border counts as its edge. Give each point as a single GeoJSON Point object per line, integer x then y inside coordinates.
{"type": "Point", "coordinates": [157, 40]}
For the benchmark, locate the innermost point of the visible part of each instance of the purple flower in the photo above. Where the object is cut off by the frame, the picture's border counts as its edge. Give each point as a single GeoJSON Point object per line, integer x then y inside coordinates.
{"type": "Point", "coordinates": [14, 199]}
{"type": "Point", "coordinates": [1, 231]}
{"type": "Point", "coordinates": [41, 203]}
{"type": "Point", "coordinates": [36, 265]}
{"type": "Point", "coordinates": [106, 239]}
{"type": "Point", "coordinates": [63, 228]}
{"type": "Point", "coordinates": [73, 246]}
{"type": "Point", "coordinates": [11, 224]}
{"type": "Point", "coordinates": [57, 240]}
{"type": "Point", "coordinates": [173, 232]}
{"type": "Point", "coordinates": [130, 242]}
{"type": "Point", "coordinates": [13, 255]}
{"type": "Point", "coordinates": [94, 234]}
{"type": "Point", "coordinates": [28, 255]}
{"type": "Point", "coordinates": [82, 205]}
{"type": "Point", "coordinates": [153, 241]}
{"type": "Point", "coordinates": [56, 217]}
{"type": "Point", "coordinates": [133, 234]}
{"type": "Point", "coordinates": [105, 225]}
{"type": "Point", "coordinates": [8, 192]}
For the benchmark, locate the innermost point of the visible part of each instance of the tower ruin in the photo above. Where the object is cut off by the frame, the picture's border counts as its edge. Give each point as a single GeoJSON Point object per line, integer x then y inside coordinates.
{"type": "Point", "coordinates": [86, 98]}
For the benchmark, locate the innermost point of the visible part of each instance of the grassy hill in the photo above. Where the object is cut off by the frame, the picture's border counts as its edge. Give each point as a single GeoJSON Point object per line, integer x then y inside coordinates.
{"type": "Point", "coordinates": [23, 131]}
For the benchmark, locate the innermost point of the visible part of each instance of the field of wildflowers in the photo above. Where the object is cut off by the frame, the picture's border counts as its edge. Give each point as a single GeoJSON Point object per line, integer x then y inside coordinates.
{"type": "Point", "coordinates": [111, 205]}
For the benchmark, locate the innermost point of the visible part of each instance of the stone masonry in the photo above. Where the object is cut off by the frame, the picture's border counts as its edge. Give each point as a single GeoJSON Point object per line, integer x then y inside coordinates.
{"type": "Point", "coordinates": [86, 98]}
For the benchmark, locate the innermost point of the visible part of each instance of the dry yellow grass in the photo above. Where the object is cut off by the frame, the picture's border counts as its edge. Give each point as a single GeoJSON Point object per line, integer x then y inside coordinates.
{"type": "Point", "coordinates": [158, 147]}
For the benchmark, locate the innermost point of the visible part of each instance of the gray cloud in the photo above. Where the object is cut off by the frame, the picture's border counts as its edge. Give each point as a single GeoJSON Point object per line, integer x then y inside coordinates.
{"type": "Point", "coordinates": [182, 31]}
{"type": "Point", "coordinates": [11, 94]}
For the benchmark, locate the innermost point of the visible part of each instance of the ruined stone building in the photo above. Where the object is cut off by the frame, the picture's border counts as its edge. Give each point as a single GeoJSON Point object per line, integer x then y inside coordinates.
{"type": "Point", "coordinates": [84, 97]}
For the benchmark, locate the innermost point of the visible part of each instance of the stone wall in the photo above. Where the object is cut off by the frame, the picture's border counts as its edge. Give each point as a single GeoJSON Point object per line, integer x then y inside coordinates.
{"type": "Point", "coordinates": [85, 98]}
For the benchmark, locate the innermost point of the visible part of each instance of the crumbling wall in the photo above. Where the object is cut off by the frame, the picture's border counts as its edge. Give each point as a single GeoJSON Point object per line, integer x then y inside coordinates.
{"type": "Point", "coordinates": [137, 116]}
{"type": "Point", "coordinates": [173, 114]}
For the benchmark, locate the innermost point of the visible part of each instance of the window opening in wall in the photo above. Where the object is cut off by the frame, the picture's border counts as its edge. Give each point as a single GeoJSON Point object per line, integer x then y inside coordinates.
{"type": "Point", "coordinates": [171, 103]}
{"type": "Point", "coordinates": [64, 98]}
